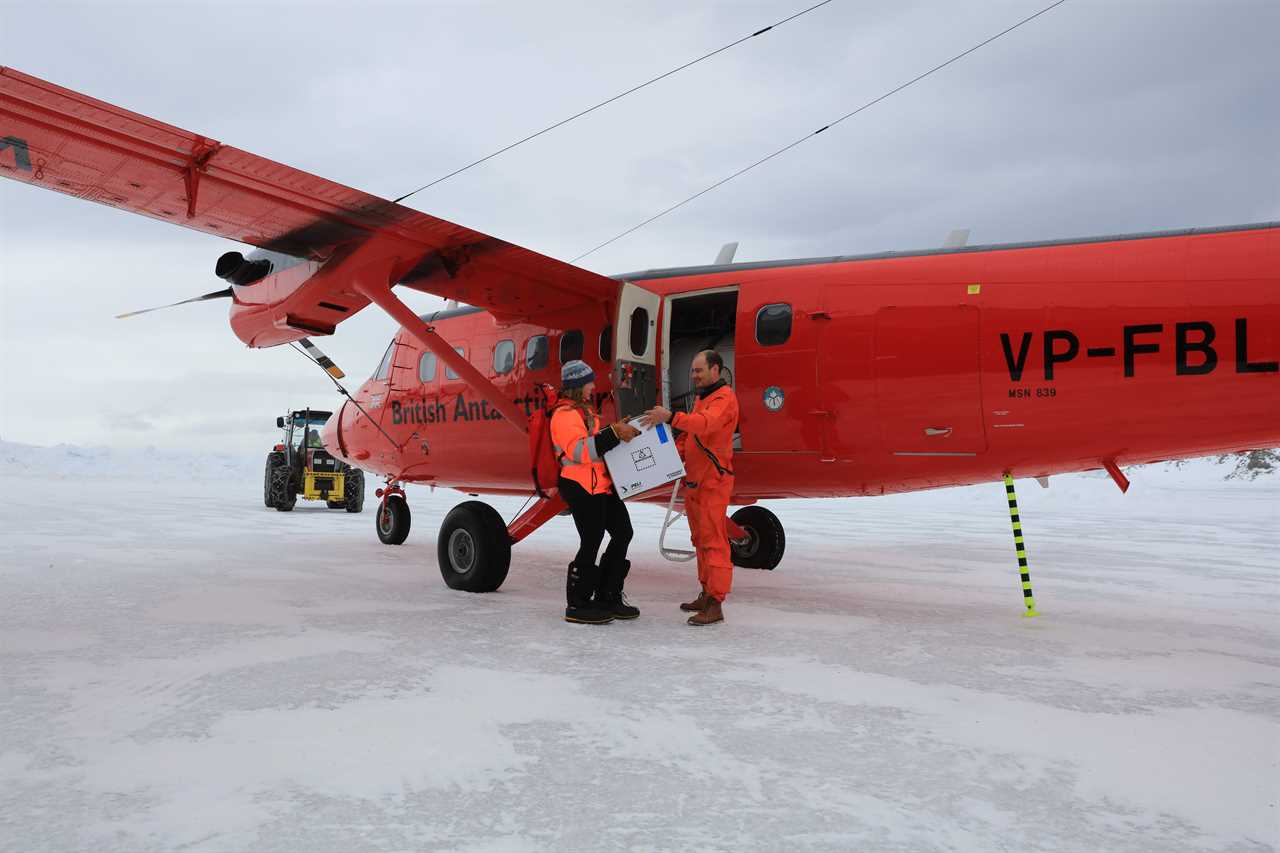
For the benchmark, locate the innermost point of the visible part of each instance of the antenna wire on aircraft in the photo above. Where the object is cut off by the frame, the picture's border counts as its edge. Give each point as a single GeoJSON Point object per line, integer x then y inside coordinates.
{"type": "Point", "coordinates": [807, 136]}
{"type": "Point", "coordinates": [616, 97]}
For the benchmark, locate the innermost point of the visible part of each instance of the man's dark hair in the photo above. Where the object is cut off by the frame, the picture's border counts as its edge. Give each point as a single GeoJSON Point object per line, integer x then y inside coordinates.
{"type": "Point", "coordinates": [712, 358]}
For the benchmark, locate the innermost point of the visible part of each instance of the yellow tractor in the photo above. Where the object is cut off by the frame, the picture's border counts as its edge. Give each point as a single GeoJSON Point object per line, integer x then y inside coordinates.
{"type": "Point", "coordinates": [301, 467]}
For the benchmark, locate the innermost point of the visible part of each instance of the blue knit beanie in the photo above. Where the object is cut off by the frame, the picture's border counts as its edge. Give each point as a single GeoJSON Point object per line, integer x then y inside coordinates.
{"type": "Point", "coordinates": [575, 374]}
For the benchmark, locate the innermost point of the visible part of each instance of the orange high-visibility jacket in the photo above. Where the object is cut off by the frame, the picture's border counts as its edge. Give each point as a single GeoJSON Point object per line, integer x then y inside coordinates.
{"type": "Point", "coordinates": [573, 430]}
{"type": "Point", "coordinates": [711, 422]}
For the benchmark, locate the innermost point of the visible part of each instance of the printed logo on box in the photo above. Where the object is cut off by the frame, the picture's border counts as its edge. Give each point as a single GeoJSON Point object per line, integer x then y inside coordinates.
{"type": "Point", "coordinates": [643, 459]}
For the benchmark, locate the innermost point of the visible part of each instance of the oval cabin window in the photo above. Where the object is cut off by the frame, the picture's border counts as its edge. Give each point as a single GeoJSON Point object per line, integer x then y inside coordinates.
{"type": "Point", "coordinates": [773, 325]}
{"type": "Point", "coordinates": [504, 357]}
{"type": "Point", "coordinates": [570, 346]}
{"type": "Point", "coordinates": [639, 331]}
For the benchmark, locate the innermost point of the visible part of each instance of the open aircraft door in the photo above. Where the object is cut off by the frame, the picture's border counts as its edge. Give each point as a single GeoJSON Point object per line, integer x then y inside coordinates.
{"type": "Point", "coordinates": [635, 334]}
{"type": "Point", "coordinates": [928, 387]}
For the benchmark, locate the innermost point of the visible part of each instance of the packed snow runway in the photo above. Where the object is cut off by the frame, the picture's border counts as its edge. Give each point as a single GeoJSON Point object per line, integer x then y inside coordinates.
{"type": "Point", "coordinates": [184, 669]}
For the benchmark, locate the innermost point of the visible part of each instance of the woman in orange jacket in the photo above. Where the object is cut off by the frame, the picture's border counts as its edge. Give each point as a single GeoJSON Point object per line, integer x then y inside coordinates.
{"type": "Point", "coordinates": [593, 592]}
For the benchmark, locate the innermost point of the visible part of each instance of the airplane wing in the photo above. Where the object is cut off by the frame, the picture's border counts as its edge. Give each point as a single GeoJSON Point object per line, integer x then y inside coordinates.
{"type": "Point", "coordinates": [65, 141]}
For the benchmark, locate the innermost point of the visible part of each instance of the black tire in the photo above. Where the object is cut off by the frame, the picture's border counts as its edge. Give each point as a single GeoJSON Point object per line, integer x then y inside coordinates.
{"type": "Point", "coordinates": [353, 490]}
{"type": "Point", "coordinates": [473, 549]}
{"type": "Point", "coordinates": [336, 504]}
{"type": "Point", "coordinates": [274, 460]}
{"type": "Point", "coordinates": [283, 495]}
{"type": "Point", "coordinates": [766, 540]}
{"type": "Point", "coordinates": [392, 521]}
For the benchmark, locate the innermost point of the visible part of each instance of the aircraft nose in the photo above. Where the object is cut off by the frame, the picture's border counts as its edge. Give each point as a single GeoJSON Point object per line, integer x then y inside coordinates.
{"type": "Point", "coordinates": [331, 432]}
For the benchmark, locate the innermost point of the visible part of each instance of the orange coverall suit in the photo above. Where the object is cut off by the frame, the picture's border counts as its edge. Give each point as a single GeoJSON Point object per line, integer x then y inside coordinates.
{"type": "Point", "coordinates": [707, 488]}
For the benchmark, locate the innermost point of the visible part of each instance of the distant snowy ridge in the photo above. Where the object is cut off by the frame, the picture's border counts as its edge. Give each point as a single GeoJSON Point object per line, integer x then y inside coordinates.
{"type": "Point", "coordinates": [69, 461]}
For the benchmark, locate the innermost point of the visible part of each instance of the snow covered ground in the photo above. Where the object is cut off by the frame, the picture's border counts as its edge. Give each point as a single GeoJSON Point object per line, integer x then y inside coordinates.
{"type": "Point", "coordinates": [181, 668]}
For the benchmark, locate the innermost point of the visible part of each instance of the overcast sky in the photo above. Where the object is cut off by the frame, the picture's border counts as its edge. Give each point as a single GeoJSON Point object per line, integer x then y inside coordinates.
{"type": "Point", "coordinates": [1102, 116]}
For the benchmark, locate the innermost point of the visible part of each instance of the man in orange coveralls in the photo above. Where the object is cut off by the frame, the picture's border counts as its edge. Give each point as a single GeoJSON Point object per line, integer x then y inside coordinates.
{"type": "Point", "coordinates": [706, 443]}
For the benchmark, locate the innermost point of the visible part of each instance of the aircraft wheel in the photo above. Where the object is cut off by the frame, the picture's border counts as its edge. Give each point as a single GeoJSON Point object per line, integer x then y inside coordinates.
{"type": "Point", "coordinates": [474, 549]}
{"type": "Point", "coordinates": [353, 490]}
{"type": "Point", "coordinates": [274, 460]}
{"type": "Point", "coordinates": [282, 495]}
{"type": "Point", "coordinates": [393, 520]}
{"type": "Point", "coordinates": [766, 540]}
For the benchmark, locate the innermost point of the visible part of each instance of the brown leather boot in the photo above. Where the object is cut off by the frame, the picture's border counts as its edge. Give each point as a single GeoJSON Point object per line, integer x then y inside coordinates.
{"type": "Point", "coordinates": [710, 615]}
{"type": "Point", "coordinates": [698, 605]}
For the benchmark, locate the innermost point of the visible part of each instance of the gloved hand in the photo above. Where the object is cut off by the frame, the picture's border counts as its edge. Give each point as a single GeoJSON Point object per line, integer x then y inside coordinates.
{"type": "Point", "coordinates": [624, 431]}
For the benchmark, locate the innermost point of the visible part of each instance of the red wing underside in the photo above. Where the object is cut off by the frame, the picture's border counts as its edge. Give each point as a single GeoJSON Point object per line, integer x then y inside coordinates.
{"type": "Point", "coordinates": [64, 141]}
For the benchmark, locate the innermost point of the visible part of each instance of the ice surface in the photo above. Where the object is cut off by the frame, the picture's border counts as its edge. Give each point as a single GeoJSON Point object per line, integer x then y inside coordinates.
{"type": "Point", "coordinates": [181, 668]}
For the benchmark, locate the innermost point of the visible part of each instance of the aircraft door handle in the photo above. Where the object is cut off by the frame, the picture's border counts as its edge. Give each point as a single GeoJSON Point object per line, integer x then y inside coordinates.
{"type": "Point", "coordinates": [937, 431]}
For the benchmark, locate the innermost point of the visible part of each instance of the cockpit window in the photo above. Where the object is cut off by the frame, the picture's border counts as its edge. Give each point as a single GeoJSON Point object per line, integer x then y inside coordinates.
{"type": "Point", "coordinates": [384, 368]}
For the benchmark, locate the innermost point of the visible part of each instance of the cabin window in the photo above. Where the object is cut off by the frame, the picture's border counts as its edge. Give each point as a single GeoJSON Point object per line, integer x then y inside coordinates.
{"type": "Point", "coordinates": [606, 344]}
{"type": "Point", "coordinates": [448, 371]}
{"type": "Point", "coordinates": [536, 352]}
{"type": "Point", "coordinates": [384, 367]}
{"type": "Point", "coordinates": [639, 331]}
{"type": "Point", "coordinates": [773, 325]}
{"type": "Point", "coordinates": [427, 367]}
{"type": "Point", "coordinates": [570, 346]}
{"type": "Point", "coordinates": [504, 357]}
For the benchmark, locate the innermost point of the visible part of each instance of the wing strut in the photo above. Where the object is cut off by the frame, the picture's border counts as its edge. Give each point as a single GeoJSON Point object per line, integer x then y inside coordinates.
{"type": "Point", "coordinates": [374, 282]}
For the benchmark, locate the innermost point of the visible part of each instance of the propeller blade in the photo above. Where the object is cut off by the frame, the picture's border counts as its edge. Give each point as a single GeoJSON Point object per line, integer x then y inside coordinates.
{"type": "Point", "coordinates": [217, 294]}
{"type": "Point", "coordinates": [322, 359]}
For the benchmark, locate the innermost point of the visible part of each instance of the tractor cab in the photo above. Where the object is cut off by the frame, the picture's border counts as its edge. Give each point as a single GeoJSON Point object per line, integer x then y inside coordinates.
{"type": "Point", "coordinates": [301, 466]}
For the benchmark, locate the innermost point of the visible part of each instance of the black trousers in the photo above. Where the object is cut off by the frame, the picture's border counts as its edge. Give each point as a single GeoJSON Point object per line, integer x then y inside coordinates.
{"type": "Point", "coordinates": [595, 515]}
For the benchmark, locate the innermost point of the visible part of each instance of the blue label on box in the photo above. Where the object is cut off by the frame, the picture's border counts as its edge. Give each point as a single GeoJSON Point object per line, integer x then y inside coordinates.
{"type": "Point", "coordinates": [662, 434]}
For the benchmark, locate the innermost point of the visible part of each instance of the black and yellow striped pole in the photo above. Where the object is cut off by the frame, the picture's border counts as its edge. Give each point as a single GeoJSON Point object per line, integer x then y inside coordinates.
{"type": "Point", "coordinates": [1028, 600]}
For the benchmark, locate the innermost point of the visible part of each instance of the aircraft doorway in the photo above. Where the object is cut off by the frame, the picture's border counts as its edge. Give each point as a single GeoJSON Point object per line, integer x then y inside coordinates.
{"type": "Point", "coordinates": [693, 323]}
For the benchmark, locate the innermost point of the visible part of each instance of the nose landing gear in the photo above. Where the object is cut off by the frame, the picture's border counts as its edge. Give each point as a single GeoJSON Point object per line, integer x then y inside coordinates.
{"type": "Point", "coordinates": [393, 518]}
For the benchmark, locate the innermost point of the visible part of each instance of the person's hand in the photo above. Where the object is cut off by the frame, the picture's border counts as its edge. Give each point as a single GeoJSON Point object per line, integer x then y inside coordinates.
{"type": "Point", "coordinates": [625, 431]}
{"type": "Point", "coordinates": [656, 415]}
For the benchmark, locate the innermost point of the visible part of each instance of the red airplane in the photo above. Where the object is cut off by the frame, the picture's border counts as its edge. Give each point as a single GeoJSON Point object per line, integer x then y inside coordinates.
{"type": "Point", "coordinates": [858, 375]}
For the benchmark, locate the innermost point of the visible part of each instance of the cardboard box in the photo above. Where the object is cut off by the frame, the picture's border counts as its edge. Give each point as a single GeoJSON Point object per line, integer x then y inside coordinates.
{"type": "Point", "coordinates": [645, 462]}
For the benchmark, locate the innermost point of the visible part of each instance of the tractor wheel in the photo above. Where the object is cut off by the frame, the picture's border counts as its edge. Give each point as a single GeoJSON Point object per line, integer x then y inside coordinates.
{"type": "Point", "coordinates": [274, 460]}
{"type": "Point", "coordinates": [393, 520]}
{"type": "Point", "coordinates": [335, 504]}
{"type": "Point", "coordinates": [474, 549]}
{"type": "Point", "coordinates": [765, 542]}
{"type": "Point", "coordinates": [283, 496]}
{"type": "Point", "coordinates": [353, 490]}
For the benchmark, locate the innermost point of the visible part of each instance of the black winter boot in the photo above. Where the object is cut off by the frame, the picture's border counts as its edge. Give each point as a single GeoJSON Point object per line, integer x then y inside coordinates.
{"type": "Point", "coordinates": [580, 582]}
{"type": "Point", "coordinates": [610, 596]}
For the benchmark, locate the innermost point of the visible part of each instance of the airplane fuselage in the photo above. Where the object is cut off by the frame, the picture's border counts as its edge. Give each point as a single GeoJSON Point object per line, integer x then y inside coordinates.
{"type": "Point", "coordinates": [890, 373]}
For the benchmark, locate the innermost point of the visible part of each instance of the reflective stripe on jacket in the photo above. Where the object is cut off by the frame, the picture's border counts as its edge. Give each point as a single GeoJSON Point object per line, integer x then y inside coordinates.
{"type": "Point", "coordinates": [572, 432]}
{"type": "Point", "coordinates": [712, 422]}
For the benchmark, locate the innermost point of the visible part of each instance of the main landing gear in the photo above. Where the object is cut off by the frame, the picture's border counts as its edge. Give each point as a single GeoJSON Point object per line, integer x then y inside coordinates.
{"type": "Point", "coordinates": [762, 542]}
{"type": "Point", "coordinates": [474, 544]}
{"type": "Point", "coordinates": [756, 537]}
{"type": "Point", "coordinates": [473, 548]}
